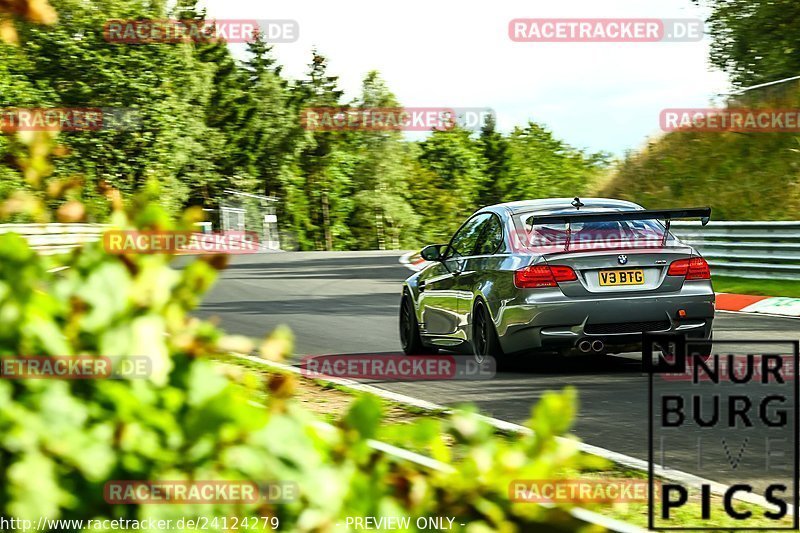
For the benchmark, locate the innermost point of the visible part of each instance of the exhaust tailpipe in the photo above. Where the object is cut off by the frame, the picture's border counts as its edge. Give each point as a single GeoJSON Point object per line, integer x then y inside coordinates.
{"type": "Point", "coordinates": [585, 346]}
{"type": "Point", "coordinates": [598, 346]}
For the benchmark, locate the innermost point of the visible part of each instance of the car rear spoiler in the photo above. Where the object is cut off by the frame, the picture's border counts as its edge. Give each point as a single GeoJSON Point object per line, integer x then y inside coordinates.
{"type": "Point", "coordinates": [703, 213]}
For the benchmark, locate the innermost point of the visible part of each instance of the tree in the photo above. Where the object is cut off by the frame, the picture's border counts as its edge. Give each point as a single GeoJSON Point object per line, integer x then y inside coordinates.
{"type": "Point", "coordinates": [382, 212]}
{"type": "Point", "coordinates": [317, 160]}
{"type": "Point", "coordinates": [755, 41]}
{"type": "Point", "coordinates": [496, 152]}
{"type": "Point", "coordinates": [542, 166]}
{"type": "Point", "coordinates": [261, 59]}
{"type": "Point", "coordinates": [163, 85]}
{"type": "Point", "coordinates": [274, 136]}
{"type": "Point", "coordinates": [208, 122]}
{"type": "Point", "coordinates": [221, 159]}
{"type": "Point", "coordinates": [455, 178]}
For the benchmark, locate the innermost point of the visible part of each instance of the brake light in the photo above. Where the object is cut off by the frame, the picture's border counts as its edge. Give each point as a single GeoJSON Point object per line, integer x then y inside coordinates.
{"type": "Point", "coordinates": [563, 273]}
{"type": "Point", "coordinates": [678, 268]}
{"type": "Point", "coordinates": [694, 268]}
{"type": "Point", "coordinates": [535, 276]}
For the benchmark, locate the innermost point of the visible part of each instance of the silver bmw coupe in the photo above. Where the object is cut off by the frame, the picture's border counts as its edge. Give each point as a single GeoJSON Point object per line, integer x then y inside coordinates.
{"type": "Point", "coordinates": [560, 275]}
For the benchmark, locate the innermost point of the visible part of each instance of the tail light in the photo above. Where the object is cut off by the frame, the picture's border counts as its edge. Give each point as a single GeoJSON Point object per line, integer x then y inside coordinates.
{"type": "Point", "coordinates": [694, 268]}
{"type": "Point", "coordinates": [535, 276]}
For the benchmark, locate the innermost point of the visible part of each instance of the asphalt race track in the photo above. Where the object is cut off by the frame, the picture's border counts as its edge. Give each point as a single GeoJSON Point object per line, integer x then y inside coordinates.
{"type": "Point", "coordinates": [347, 303]}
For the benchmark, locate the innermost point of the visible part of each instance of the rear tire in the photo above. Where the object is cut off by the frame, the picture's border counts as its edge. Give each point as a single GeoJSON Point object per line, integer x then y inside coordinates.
{"type": "Point", "coordinates": [703, 352]}
{"type": "Point", "coordinates": [485, 341]}
{"type": "Point", "coordinates": [409, 329]}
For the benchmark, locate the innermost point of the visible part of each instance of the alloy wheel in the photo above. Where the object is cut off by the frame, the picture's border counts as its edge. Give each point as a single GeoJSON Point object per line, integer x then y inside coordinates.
{"type": "Point", "coordinates": [481, 336]}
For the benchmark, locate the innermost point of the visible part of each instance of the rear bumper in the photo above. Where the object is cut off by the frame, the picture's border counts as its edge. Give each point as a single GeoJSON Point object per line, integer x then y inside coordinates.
{"type": "Point", "coordinates": [549, 321]}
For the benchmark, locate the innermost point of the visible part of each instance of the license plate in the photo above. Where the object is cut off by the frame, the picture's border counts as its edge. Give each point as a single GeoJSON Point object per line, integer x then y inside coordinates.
{"type": "Point", "coordinates": [621, 277]}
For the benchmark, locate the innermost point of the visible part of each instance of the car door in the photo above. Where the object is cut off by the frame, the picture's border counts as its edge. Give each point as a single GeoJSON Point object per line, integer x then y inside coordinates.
{"type": "Point", "coordinates": [439, 296]}
{"type": "Point", "coordinates": [479, 270]}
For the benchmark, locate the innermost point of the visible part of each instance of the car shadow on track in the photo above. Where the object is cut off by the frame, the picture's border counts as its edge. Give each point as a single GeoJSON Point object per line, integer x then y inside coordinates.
{"type": "Point", "coordinates": [545, 364]}
{"type": "Point", "coordinates": [355, 305]}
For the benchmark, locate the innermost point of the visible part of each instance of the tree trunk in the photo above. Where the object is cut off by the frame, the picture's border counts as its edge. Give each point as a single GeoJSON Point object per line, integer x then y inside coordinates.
{"type": "Point", "coordinates": [379, 229]}
{"type": "Point", "coordinates": [326, 222]}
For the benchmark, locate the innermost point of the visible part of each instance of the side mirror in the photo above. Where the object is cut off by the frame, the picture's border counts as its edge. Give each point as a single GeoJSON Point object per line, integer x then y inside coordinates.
{"type": "Point", "coordinates": [432, 252]}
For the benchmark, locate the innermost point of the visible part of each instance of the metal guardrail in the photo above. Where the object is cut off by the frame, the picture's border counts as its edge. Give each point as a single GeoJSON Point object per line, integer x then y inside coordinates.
{"type": "Point", "coordinates": [758, 250]}
{"type": "Point", "coordinates": [54, 238]}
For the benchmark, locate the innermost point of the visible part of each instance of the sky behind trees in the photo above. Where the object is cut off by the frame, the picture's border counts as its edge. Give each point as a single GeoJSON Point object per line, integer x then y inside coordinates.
{"type": "Point", "coordinates": [599, 96]}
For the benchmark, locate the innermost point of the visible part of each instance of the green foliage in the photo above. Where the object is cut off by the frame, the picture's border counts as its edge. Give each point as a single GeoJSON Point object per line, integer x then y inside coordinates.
{"type": "Point", "coordinates": [755, 41]}
{"type": "Point", "coordinates": [743, 176]}
{"type": "Point", "coordinates": [164, 84]}
{"type": "Point", "coordinates": [60, 441]}
{"type": "Point", "coordinates": [543, 166]}
{"type": "Point", "coordinates": [382, 216]}
{"type": "Point", "coordinates": [762, 287]}
{"type": "Point", "coordinates": [209, 122]}
{"type": "Point", "coordinates": [495, 150]}
{"type": "Point", "coordinates": [191, 419]}
{"type": "Point", "coordinates": [449, 182]}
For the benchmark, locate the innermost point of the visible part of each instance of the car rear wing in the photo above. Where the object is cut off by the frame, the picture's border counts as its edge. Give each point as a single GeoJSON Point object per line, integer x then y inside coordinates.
{"type": "Point", "coordinates": [703, 213]}
{"type": "Point", "coordinates": [667, 215]}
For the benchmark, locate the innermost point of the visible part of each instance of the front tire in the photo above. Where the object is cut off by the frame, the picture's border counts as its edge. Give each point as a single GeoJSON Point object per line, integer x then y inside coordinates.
{"type": "Point", "coordinates": [485, 341]}
{"type": "Point", "coordinates": [409, 329]}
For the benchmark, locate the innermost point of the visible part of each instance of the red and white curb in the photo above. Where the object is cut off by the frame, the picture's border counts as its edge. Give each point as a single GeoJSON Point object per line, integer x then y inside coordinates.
{"type": "Point", "coordinates": [413, 261]}
{"type": "Point", "coordinates": [766, 305]}
{"type": "Point", "coordinates": [739, 303]}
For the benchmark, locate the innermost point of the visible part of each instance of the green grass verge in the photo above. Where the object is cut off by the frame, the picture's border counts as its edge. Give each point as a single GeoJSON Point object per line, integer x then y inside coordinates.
{"type": "Point", "coordinates": [759, 287]}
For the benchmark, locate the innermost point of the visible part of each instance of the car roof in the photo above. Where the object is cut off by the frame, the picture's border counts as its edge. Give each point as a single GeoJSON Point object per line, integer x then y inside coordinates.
{"type": "Point", "coordinates": [555, 205]}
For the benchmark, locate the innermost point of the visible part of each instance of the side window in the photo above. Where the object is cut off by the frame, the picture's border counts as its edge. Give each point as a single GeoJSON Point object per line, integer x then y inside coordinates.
{"type": "Point", "coordinates": [466, 238]}
{"type": "Point", "coordinates": [491, 239]}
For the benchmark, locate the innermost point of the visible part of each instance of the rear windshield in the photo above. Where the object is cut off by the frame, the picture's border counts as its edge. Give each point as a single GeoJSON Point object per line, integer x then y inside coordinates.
{"type": "Point", "coordinates": [618, 234]}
